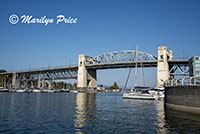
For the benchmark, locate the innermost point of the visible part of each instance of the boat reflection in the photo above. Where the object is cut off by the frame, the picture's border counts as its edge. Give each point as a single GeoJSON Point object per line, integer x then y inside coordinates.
{"type": "Point", "coordinates": [85, 111]}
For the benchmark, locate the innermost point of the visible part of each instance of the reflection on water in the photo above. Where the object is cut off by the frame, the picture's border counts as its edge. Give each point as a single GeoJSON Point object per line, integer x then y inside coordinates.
{"type": "Point", "coordinates": [161, 118]}
{"type": "Point", "coordinates": [86, 113]}
{"type": "Point", "coordinates": [145, 116]}
{"type": "Point", "coordinates": [85, 110]}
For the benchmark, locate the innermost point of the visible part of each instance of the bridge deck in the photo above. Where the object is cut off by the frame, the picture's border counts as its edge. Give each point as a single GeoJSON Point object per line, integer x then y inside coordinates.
{"type": "Point", "coordinates": [44, 70]}
{"type": "Point", "coordinates": [128, 64]}
{"type": "Point", "coordinates": [151, 63]}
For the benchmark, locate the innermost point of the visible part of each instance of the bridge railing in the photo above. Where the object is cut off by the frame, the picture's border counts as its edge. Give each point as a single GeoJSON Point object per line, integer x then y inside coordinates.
{"type": "Point", "coordinates": [183, 81]}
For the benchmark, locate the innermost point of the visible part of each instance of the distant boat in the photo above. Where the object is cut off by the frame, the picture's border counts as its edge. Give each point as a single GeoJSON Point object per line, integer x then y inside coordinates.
{"type": "Point", "coordinates": [37, 90]}
{"type": "Point", "coordinates": [12, 90]}
{"type": "Point", "coordinates": [29, 90]}
{"type": "Point", "coordinates": [3, 89]}
{"type": "Point", "coordinates": [20, 90]}
{"type": "Point", "coordinates": [74, 91]}
{"type": "Point", "coordinates": [64, 90]}
{"type": "Point", "coordinates": [48, 91]}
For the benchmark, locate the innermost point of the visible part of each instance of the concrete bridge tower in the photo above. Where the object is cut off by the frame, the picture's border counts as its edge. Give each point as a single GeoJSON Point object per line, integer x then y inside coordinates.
{"type": "Point", "coordinates": [162, 66]}
{"type": "Point", "coordinates": [86, 77]}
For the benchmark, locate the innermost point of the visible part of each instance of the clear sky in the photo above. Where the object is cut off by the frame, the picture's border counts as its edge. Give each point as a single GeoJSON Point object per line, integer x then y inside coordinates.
{"type": "Point", "coordinates": [103, 26]}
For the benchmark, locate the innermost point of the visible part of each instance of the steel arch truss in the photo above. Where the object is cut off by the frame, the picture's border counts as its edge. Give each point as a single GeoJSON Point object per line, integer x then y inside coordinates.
{"type": "Point", "coordinates": [121, 56]}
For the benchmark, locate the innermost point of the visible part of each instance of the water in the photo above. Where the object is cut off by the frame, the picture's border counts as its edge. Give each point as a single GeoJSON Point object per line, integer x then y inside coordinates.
{"type": "Point", "coordinates": [89, 113]}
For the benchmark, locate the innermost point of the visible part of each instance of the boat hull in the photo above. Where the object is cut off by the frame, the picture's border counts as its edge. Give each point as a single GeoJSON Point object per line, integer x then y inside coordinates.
{"type": "Point", "coordinates": [36, 91]}
{"type": "Point", "coordinates": [139, 96]}
{"type": "Point", "coordinates": [20, 91]}
{"type": "Point", "coordinates": [4, 90]}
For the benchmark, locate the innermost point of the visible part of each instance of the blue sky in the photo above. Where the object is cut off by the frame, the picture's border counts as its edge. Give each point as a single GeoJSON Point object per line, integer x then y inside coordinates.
{"type": "Point", "coordinates": [103, 26]}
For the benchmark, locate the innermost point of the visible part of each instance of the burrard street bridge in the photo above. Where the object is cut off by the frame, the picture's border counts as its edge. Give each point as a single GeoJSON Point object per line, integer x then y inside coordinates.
{"type": "Point", "coordinates": [85, 71]}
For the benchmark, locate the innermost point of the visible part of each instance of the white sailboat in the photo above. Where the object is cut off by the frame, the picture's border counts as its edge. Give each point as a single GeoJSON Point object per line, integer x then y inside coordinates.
{"type": "Point", "coordinates": [142, 93]}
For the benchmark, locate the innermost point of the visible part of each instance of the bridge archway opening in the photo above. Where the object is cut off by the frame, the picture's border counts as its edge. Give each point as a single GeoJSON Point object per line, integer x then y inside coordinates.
{"type": "Point", "coordinates": [107, 77]}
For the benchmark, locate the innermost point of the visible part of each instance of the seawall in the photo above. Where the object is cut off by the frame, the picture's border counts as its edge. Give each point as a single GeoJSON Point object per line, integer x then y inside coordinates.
{"type": "Point", "coordinates": [183, 98]}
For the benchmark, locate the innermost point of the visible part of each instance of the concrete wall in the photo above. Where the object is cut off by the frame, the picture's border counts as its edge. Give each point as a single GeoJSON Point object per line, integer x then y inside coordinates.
{"type": "Point", "coordinates": [183, 98]}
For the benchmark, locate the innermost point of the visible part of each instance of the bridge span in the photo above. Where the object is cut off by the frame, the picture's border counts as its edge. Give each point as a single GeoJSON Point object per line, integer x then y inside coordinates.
{"type": "Point", "coordinates": [131, 64]}
{"type": "Point", "coordinates": [85, 71]}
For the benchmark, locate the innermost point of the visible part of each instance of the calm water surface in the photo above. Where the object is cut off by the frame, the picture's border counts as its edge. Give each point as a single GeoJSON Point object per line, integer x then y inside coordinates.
{"type": "Point", "coordinates": [101, 113]}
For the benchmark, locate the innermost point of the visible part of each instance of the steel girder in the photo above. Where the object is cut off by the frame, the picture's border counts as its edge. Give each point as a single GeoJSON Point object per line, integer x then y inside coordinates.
{"type": "Point", "coordinates": [177, 70]}
{"type": "Point", "coordinates": [48, 75]}
{"type": "Point", "coordinates": [121, 56]}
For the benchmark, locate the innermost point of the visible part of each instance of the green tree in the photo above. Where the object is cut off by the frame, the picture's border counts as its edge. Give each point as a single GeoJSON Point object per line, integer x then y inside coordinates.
{"type": "Point", "coordinates": [115, 86]}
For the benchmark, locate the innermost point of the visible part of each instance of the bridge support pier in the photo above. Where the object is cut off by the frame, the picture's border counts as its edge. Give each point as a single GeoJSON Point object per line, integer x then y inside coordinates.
{"type": "Point", "coordinates": [20, 84]}
{"type": "Point", "coordinates": [4, 82]}
{"type": "Point", "coordinates": [25, 84]}
{"type": "Point", "coordinates": [38, 82]}
{"type": "Point", "coordinates": [92, 81]}
{"type": "Point", "coordinates": [43, 84]}
{"type": "Point", "coordinates": [15, 81]}
{"type": "Point", "coordinates": [32, 86]}
{"type": "Point", "coordinates": [50, 84]}
{"type": "Point", "coordinates": [162, 66]}
{"type": "Point", "coordinates": [86, 78]}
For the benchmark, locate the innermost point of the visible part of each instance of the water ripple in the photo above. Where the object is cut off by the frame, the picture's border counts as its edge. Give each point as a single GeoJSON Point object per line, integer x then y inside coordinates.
{"type": "Point", "coordinates": [89, 113]}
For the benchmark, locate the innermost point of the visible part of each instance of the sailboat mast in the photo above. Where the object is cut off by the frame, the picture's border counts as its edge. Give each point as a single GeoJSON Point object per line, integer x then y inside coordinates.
{"type": "Point", "coordinates": [141, 73]}
{"type": "Point", "coordinates": [136, 65]}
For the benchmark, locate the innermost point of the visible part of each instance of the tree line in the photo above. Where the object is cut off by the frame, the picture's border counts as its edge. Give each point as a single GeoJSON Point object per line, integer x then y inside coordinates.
{"type": "Point", "coordinates": [60, 84]}
{"type": "Point", "coordinates": [2, 77]}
